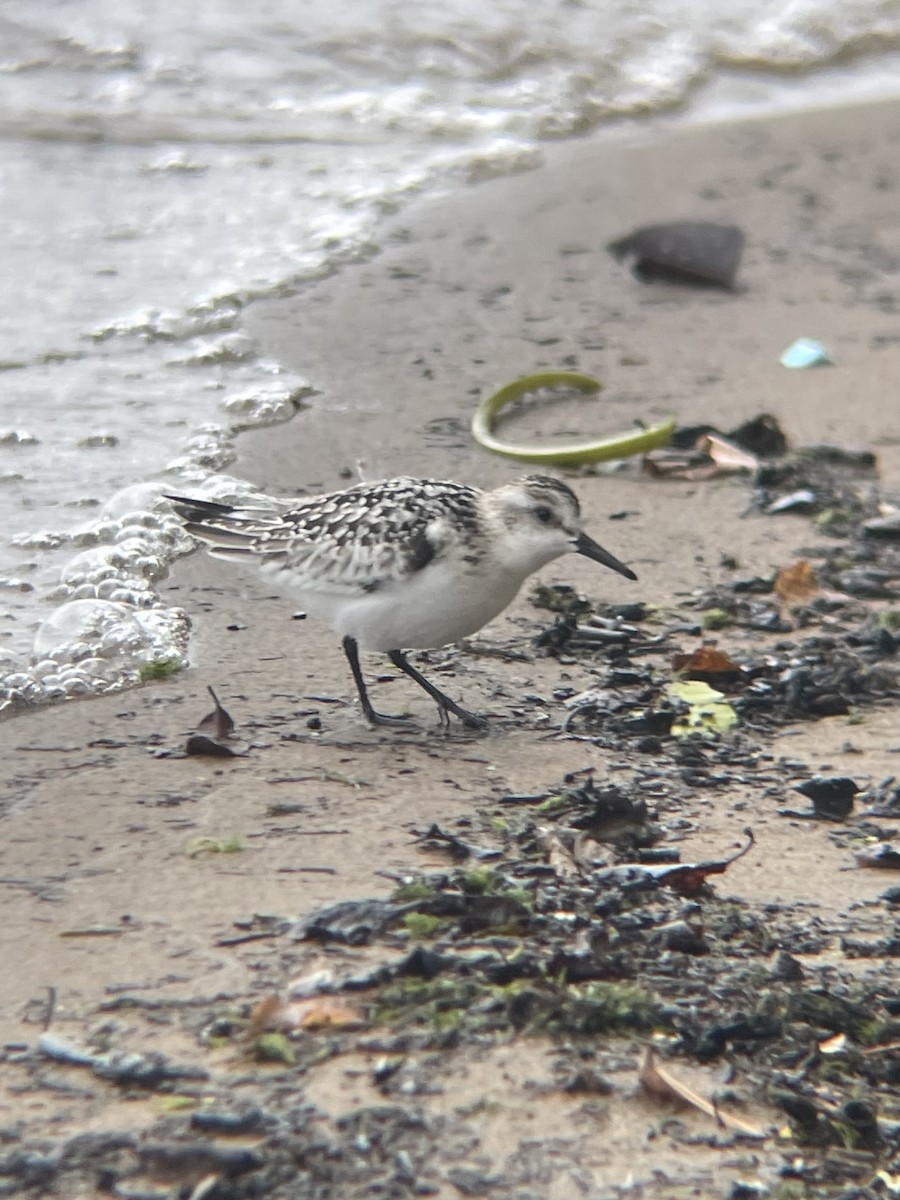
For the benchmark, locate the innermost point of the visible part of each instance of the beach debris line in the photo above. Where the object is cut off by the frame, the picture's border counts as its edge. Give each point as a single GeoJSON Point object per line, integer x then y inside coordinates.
{"type": "Point", "coordinates": [833, 483]}
{"type": "Point", "coordinates": [844, 659]}
{"type": "Point", "coordinates": [623, 445]}
{"type": "Point", "coordinates": [814, 480]}
{"type": "Point", "coordinates": [584, 957]}
{"type": "Point", "coordinates": [703, 452]}
{"type": "Point", "coordinates": [701, 253]}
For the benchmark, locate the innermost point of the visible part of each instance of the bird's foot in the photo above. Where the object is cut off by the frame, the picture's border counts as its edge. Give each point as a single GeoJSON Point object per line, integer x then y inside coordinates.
{"type": "Point", "coordinates": [390, 720]}
{"type": "Point", "coordinates": [469, 719]}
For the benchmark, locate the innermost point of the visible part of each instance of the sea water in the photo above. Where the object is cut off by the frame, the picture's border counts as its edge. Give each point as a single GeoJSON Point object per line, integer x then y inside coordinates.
{"type": "Point", "coordinates": [163, 166]}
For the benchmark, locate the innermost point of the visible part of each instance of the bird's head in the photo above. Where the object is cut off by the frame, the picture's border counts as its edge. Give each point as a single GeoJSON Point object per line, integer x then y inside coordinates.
{"type": "Point", "coordinates": [541, 519]}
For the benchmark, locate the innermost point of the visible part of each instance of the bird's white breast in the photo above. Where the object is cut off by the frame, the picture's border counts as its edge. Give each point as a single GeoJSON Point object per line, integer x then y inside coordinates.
{"type": "Point", "coordinates": [426, 609]}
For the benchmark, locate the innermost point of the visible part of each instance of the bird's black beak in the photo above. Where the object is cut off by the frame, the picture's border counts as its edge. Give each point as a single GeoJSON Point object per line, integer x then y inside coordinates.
{"type": "Point", "coordinates": [590, 549]}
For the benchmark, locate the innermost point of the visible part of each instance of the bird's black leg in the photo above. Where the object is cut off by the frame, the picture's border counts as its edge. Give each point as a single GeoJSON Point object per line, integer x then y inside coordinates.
{"type": "Point", "coordinates": [352, 651]}
{"type": "Point", "coordinates": [444, 703]}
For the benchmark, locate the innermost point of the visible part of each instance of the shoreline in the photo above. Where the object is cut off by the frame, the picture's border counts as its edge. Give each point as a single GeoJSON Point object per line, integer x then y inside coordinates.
{"type": "Point", "coordinates": [473, 290]}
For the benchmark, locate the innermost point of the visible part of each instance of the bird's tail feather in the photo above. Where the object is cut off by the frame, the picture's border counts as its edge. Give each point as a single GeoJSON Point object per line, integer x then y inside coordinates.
{"type": "Point", "coordinates": [193, 510]}
{"type": "Point", "coordinates": [220, 534]}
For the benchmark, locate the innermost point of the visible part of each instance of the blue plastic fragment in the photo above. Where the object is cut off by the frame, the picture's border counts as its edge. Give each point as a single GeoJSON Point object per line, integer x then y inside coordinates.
{"type": "Point", "coordinates": [805, 352]}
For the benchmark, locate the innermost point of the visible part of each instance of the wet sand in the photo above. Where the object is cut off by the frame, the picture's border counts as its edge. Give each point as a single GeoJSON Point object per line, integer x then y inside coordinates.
{"type": "Point", "coordinates": [474, 289]}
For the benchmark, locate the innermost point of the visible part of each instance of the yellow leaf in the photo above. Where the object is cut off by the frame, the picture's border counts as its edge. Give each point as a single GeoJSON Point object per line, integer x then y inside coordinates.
{"type": "Point", "coordinates": [708, 710]}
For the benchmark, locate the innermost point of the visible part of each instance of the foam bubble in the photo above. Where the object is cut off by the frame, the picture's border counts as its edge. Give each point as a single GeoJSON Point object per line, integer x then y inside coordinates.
{"type": "Point", "coordinates": [82, 629]}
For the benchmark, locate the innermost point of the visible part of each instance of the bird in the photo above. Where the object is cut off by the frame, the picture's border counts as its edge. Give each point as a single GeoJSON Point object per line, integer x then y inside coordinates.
{"type": "Point", "coordinates": [402, 564]}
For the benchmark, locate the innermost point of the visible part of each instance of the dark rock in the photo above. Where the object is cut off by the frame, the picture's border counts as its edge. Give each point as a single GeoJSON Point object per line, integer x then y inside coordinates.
{"type": "Point", "coordinates": [863, 1121]}
{"type": "Point", "coordinates": [832, 796]}
{"type": "Point", "coordinates": [423, 963]}
{"type": "Point", "coordinates": [692, 252]}
{"type": "Point", "coordinates": [31, 1169]}
{"type": "Point", "coordinates": [469, 1182]}
{"type": "Point", "coordinates": [143, 1070]}
{"type": "Point", "coordinates": [681, 937]}
{"type": "Point", "coordinates": [761, 435]}
{"type": "Point", "coordinates": [228, 1124]}
{"type": "Point", "coordinates": [786, 968]}
{"type": "Point", "coordinates": [177, 1159]}
{"type": "Point", "coordinates": [743, 1189]}
{"type": "Point", "coordinates": [743, 1029]}
{"type": "Point", "coordinates": [802, 1111]}
{"type": "Point", "coordinates": [354, 922]}
{"type": "Point", "coordinates": [588, 1081]}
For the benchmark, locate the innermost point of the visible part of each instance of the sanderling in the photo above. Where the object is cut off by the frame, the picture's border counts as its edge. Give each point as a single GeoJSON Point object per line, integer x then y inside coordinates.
{"type": "Point", "coordinates": [404, 564]}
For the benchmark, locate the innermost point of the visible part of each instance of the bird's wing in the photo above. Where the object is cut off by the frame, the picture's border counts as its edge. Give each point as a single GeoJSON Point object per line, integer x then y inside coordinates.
{"type": "Point", "coordinates": [350, 543]}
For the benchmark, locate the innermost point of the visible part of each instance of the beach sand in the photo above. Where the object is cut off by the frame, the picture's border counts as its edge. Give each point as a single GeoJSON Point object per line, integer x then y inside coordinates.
{"type": "Point", "coordinates": [474, 289]}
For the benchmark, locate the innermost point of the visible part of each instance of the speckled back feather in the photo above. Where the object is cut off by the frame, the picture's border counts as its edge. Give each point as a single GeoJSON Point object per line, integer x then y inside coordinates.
{"type": "Point", "coordinates": [347, 542]}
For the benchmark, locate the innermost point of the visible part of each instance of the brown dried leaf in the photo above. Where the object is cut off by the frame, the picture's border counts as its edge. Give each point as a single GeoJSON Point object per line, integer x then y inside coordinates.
{"type": "Point", "coordinates": [218, 724]}
{"type": "Point", "coordinates": [312, 1012]}
{"type": "Point", "coordinates": [328, 1012]}
{"type": "Point", "coordinates": [797, 583]}
{"type": "Point", "coordinates": [708, 665]}
{"type": "Point", "coordinates": [262, 1014]}
{"type": "Point", "coordinates": [660, 1081]}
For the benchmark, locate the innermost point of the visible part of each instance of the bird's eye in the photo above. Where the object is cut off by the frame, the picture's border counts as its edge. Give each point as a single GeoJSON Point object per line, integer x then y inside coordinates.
{"type": "Point", "coordinates": [544, 514]}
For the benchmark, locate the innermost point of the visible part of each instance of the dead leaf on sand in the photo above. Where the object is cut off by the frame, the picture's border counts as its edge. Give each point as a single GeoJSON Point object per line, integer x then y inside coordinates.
{"type": "Point", "coordinates": [708, 665]}
{"type": "Point", "coordinates": [219, 723]}
{"type": "Point", "coordinates": [213, 733]}
{"type": "Point", "coordinates": [313, 1012]}
{"type": "Point", "coordinates": [797, 583]}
